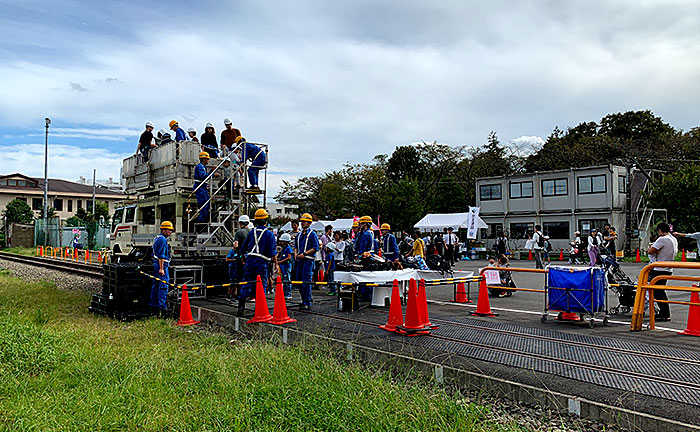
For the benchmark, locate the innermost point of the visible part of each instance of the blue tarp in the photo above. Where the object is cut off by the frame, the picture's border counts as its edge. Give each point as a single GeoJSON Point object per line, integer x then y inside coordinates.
{"type": "Point", "coordinates": [584, 289]}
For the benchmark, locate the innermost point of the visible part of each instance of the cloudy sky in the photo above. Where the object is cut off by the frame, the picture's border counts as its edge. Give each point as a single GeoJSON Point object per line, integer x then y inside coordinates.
{"type": "Point", "coordinates": [326, 82]}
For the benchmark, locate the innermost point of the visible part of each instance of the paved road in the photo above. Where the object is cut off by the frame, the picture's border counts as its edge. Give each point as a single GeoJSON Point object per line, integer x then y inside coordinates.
{"type": "Point", "coordinates": [533, 303]}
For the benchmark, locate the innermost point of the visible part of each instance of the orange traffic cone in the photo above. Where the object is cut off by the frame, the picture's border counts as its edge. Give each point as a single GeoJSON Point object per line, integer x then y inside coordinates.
{"type": "Point", "coordinates": [279, 312]}
{"type": "Point", "coordinates": [461, 294]}
{"type": "Point", "coordinates": [693, 327]}
{"type": "Point", "coordinates": [423, 305]}
{"type": "Point", "coordinates": [529, 254]}
{"type": "Point", "coordinates": [262, 312]}
{"type": "Point", "coordinates": [683, 255]}
{"type": "Point", "coordinates": [413, 325]}
{"type": "Point", "coordinates": [561, 254]}
{"type": "Point", "coordinates": [639, 258]}
{"type": "Point", "coordinates": [185, 310]}
{"type": "Point", "coordinates": [483, 306]}
{"type": "Point", "coordinates": [395, 312]}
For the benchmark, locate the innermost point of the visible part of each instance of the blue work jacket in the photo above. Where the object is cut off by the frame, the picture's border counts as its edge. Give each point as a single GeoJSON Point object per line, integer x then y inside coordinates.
{"type": "Point", "coordinates": [180, 135]}
{"type": "Point", "coordinates": [364, 242]}
{"type": "Point", "coordinates": [306, 240]}
{"type": "Point", "coordinates": [161, 249]}
{"type": "Point", "coordinates": [391, 248]}
{"type": "Point", "coordinates": [200, 173]}
{"type": "Point", "coordinates": [260, 243]}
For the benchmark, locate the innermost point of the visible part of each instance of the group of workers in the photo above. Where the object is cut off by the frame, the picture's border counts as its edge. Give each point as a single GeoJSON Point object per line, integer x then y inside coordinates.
{"type": "Point", "coordinates": [233, 147]}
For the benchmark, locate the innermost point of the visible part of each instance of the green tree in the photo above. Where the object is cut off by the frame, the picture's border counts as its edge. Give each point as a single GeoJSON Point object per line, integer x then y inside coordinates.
{"type": "Point", "coordinates": [18, 211]}
{"type": "Point", "coordinates": [102, 210]}
{"type": "Point", "coordinates": [679, 194]}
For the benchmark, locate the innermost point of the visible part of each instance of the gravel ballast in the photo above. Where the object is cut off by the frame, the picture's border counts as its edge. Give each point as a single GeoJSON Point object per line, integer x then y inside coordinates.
{"type": "Point", "coordinates": [63, 280]}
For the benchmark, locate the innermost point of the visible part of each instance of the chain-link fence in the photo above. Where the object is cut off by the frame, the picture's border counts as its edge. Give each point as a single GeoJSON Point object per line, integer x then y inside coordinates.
{"type": "Point", "coordinates": [88, 235]}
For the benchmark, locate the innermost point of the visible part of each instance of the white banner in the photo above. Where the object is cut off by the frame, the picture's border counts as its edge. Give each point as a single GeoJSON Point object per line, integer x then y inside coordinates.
{"type": "Point", "coordinates": [492, 277]}
{"type": "Point", "coordinates": [472, 225]}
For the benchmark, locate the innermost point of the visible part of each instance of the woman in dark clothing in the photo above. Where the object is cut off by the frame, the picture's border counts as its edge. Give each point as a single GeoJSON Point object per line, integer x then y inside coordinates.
{"type": "Point", "coordinates": [208, 139]}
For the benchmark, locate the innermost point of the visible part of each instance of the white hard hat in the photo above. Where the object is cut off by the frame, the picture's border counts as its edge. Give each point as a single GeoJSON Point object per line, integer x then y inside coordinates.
{"type": "Point", "coordinates": [227, 121]}
{"type": "Point", "coordinates": [192, 130]}
{"type": "Point", "coordinates": [149, 124]}
{"type": "Point", "coordinates": [285, 237]}
{"type": "Point", "coordinates": [209, 124]}
{"type": "Point", "coordinates": [243, 219]}
{"type": "Point", "coordinates": [331, 246]}
{"type": "Point", "coordinates": [163, 132]}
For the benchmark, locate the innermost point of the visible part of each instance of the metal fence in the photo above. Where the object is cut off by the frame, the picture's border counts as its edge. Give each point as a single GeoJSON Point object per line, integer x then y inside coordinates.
{"type": "Point", "coordinates": [91, 235]}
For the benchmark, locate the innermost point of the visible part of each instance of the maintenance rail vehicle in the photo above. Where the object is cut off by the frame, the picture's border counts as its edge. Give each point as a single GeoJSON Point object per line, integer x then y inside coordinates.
{"type": "Point", "coordinates": [163, 190]}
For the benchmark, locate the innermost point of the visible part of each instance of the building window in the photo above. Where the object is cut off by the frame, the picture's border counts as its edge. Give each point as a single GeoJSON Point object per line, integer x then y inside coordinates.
{"type": "Point", "coordinates": [556, 230]}
{"type": "Point", "coordinates": [37, 204]}
{"type": "Point", "coordinates": [80, 204]}
{"type": "Point", "coordinates": [58, 204]}
{"type": "Point", "coordinates": [70, 206]}
{"type": "Point", "coordinates": [592, 184]}
{"type": "Point", "coordinates": [521, 189]}
{"type": "Point", "coordinates": [492, 231]}
{"type": "Point", "coordinates": [521, 230]}
{"type": "Point", "coordinates": [12, 182]}
{"type": "Point", "coordinates": [490, 192]}
{"type": "Point", "coordinates": [585, 225]}
{"type": "Point", "coordinates": [622, 184]}
{"type": "Point", "coordinates": [555, 187]}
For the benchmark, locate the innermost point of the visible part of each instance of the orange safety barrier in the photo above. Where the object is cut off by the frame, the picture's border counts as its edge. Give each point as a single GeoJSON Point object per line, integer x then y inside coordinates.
{"type": "Point", "coordinates": [644, 289]}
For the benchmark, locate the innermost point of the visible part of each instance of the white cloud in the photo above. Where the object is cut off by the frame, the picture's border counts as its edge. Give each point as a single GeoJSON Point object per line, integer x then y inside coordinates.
{"type": "Point", "coordinates": [65, 161]}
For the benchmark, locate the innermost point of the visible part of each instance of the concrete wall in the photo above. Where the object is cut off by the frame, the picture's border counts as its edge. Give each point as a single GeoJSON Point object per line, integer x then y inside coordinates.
{"type": "Point", "coordinates": [20, 235]}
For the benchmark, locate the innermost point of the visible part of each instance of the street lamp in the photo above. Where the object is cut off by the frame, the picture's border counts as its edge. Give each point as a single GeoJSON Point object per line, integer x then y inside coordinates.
{"type": "Point", "coordinates": [46, 182]}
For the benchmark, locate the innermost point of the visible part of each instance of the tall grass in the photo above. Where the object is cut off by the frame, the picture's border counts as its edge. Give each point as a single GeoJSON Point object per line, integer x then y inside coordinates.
{"type": "Point", "coordinates": [62, 369]}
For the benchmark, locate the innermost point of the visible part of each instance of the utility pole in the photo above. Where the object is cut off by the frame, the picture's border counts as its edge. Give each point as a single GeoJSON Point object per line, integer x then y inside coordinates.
{"type": "Point", "coordinates": [629, 231]}
{"type": "Point", "coordinates": [93, 190]}
{"type": "Point", "coordinates": [46, 182]}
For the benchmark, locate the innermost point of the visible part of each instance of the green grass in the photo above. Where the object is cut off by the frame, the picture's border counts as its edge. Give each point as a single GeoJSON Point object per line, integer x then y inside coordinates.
{"type": "Point", "coordinates": [63, 369]}
{"type": "Point", "coordinates": [21, 251]}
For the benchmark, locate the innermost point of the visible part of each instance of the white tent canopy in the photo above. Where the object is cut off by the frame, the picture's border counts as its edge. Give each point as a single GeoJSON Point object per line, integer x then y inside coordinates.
{"type": "Point", "coordinates": [440, 221]}
{"type": "Point", "coordinates": [316, 226]}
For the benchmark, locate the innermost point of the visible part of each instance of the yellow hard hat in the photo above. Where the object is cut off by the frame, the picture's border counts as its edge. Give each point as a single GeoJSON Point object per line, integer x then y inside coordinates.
{"type": "Point", "coordinates": [366, 219]}
{"type": "Point", "coordinates": [204, 155]}
{"type": "Point", "coordinates": [172, 122]}
{"type": "Point", "coordinates": [167, 225]}
{"type": "Point", "coordinates": [239, 139]}
{"type": "Point", "coordinates": [261, 214]}
{"type": "Point", "coordinates": [306, 218]}
{"type": "Point", "coordinates": [385, 226]}
{"type": "Point", "coordinates": [355, 224]}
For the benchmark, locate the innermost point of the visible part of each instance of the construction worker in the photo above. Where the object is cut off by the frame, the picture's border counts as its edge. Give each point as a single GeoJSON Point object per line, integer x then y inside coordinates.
{"type": "Point", "coordinates": [146, 142]}
{"type": "Point", "coordinates": [180, 134]}
{"type": "Point", "coordinates": [202, 194]}
{"type": "Point", "coordinates": [228, 136]}
{"type": "Point", "coordinates": [161, 263]}
{"type": "Point", "coordinates": [253, 153]}
{"type": "Point", "coordinates": [364, 244]}
{"type": "Point", "coordinates": [259, 249]}
{"type": "Point", "coordinates": [163, 138]}
{"type": "Point", "coordinates": [305, 248]}
{"type": "Point", "coordinates": [391, 248]}
{"type": "Point", "coordinates": [192, 132]}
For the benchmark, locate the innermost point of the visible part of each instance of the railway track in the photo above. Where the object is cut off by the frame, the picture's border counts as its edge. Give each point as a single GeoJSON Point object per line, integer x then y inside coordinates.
{"type": "Point", "coordinates": [87, 270]}
{"type": "Point", "coordinates": [692, 386]}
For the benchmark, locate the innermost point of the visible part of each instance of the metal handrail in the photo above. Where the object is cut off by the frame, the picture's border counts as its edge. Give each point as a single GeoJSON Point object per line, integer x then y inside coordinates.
{"type": "Point", "coordinates": [643, 287]}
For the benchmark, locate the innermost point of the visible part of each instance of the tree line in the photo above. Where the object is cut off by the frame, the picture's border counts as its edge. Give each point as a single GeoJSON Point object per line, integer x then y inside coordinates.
{"type": "Point", "coordinates": [431, 177]}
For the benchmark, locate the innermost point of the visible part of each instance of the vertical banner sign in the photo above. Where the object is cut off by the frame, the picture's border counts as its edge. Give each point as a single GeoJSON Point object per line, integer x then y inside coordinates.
{"type": "Point", "coordinates": [472, 225]}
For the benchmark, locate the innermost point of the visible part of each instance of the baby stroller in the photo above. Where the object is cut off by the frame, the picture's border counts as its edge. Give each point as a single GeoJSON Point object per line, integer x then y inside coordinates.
{"type": "Point", "coordinates": [621, 285]}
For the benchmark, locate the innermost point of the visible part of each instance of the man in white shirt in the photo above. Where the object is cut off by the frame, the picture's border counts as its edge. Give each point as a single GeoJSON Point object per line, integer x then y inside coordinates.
{"type": "Point", "coordinates": [664, 248]}
{"type": "Point", "coordinates": [695, 236]}
{"type": "Point", "coordinates": [538, 246]}
{"type": "Point", "coordinates": [450, 240]}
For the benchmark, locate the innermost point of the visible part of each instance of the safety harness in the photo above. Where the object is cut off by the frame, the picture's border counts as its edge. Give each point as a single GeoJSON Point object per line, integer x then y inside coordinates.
{"type": "Point", "coordinates": [306, 243]}
{"type": "Point", "coordinates": [256, 248]}
{"type": "Point", "coordinates": [156, 257]}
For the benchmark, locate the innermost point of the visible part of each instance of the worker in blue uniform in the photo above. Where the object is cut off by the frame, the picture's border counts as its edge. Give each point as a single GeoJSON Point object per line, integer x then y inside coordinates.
{"type": "Point", "coordinates": [253, 153]}
{"type": "Point", "coordinates": [180, 134]}
{"type": "Point", "coordinates": [391, 248]}
{"type": "Point", "coordinates": [161, 264]}
{"type": "Point", "coordinates": [364, 244]}
{"type": "Point", "coordinates": [305, 249]}
{"type": "Point", "coordinates": [259, 249]}
{"type": "Point", "coordinates": [202, 194]}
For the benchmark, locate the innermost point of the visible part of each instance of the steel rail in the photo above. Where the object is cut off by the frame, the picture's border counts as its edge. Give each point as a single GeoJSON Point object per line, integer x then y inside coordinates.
{"type": "Point", "coordinates": [86, 270]}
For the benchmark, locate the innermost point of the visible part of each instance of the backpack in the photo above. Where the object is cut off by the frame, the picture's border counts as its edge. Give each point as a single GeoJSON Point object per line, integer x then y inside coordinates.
{"type": "Point", "coordinates": [540, 240]}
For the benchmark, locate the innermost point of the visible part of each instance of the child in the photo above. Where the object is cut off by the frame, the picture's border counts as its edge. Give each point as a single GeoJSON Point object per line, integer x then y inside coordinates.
{"type": "Point", "coordinates": [284, 259]}
{"type": "Point", "coordinates": [547, 249]}
{"type": "Point", "coordinates": [330, 266]}
{"type": "Point", "coordinates": [226, 177]}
